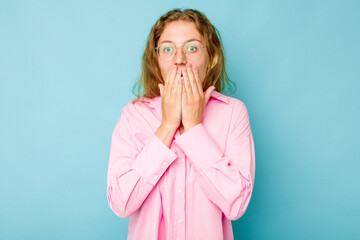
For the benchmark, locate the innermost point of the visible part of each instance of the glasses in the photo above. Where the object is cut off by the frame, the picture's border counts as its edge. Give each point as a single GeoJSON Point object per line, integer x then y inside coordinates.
{"type": "Point", "coordinates": [192, 51]}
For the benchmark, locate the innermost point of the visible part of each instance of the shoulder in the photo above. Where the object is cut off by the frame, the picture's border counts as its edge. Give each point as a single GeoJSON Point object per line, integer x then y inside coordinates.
{"type": "Point", "coordinates": [236, 112]}
{"type": "Point", "coordinates": [135, 106]}
{"type": "Point", "coordinates": [141, 114]}
{"type": "Point", "coordinates": [240, 113]}
{"type": "Point", "coordinates": [228, 103]}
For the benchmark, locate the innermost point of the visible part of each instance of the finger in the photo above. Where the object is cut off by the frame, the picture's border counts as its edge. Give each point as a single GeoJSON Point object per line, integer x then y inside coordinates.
{"type": "Point", "coordinates": [184, 95]}
{"type": "Point", "coordinates": [179, 88]}
{"type": "Point", "coordinates": [170, 86]}
{"type": "Point", "coordinates": [187, 85]}
{"type": "Point", "coordinates": [197, 80]}
{"type": "Point", "coordinates": [176, 82]}
{"type": "Point", "coordinates": [171, 73]}
{"type": "Point", "coordinates": [169, 77]}
{"type": "Point", "coordinates": [174, 87]}
{"type": "Point", "coordinates": [193, 81]}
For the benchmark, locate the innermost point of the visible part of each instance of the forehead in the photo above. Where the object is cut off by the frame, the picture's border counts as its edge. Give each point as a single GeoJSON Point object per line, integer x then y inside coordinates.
{"type": "Point", "coordinates": [178, 32]}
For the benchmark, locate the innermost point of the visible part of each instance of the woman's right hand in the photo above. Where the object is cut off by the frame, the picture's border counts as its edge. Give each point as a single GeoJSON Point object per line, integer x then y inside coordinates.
{"type": "Point", "coordinates": [171, 99]}
{"type": "Point", "coordinates": [171, 106]}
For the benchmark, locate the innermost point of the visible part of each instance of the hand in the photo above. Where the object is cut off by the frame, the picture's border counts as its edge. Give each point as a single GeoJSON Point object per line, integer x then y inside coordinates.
{"type": "Point", "coordinates": [171, 99]}
{"type": "Point", "coordinates": [193, 100]}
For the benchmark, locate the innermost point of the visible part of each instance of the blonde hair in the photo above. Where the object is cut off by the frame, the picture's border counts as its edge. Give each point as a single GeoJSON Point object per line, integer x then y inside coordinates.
{"type": "Point", "coordinates": [150, 69]}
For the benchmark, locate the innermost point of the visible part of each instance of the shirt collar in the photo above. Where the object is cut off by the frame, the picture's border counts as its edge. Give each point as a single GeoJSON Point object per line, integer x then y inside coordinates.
{"type": "Point", "coordinates": [154, 102]}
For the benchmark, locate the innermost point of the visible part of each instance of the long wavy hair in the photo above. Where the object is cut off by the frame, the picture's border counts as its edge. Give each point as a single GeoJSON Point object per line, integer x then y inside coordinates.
{"type": "Point", "coordinates": [150, 69]}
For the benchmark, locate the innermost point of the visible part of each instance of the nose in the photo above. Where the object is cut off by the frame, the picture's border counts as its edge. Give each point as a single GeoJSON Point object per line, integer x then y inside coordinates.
{"type": "Point", "coordinates": [180, 58]}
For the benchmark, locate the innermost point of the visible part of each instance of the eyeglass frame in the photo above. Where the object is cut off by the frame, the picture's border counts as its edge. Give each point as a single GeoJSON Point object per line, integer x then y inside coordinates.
{"type": "Point", "coordinates": [176, 46]}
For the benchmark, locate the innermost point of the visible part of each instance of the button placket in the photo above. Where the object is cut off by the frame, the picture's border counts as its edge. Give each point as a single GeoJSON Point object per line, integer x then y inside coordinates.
{"type": "Point", "coordinates": [179, 189]}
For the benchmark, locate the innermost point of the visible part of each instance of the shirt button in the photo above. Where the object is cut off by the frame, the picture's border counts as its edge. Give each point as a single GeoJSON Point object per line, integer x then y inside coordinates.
{"type": "Point", "coordinates": [164, 163]}
{"type": "Point", "coordinates": [180, 190]}
{"type": "Point", "coordinates": [156, 176]}
{"type": "Point", "coordinates": [183, 160]}
{"type": "Point", "coordinates": [180, 221]}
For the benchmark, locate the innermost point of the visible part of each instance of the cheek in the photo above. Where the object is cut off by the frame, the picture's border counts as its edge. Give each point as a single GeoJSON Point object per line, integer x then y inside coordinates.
{"type": "Point", "coordinates": [202, 72]}
{"type": "Point", "coordinates": [202, 66]}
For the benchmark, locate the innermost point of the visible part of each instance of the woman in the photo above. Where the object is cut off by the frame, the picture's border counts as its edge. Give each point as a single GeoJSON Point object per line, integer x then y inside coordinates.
{"type": "Point", "coordinates": [182, 162]}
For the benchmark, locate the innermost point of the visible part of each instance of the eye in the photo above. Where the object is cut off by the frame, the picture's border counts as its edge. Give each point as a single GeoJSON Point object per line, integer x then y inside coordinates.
{"type": "Point", "coordinates": [167, 49]}
{"type": "Point", "coordinates": [191, 48]}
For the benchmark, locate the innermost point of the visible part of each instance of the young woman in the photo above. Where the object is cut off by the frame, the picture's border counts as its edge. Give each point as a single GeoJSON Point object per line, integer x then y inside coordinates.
{"type": "Point", "coordinates": [182, 162]}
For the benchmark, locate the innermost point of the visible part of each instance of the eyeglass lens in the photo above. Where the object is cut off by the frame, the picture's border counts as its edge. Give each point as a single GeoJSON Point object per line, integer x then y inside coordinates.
{"type": "Point", "coordinates": [192, 51]}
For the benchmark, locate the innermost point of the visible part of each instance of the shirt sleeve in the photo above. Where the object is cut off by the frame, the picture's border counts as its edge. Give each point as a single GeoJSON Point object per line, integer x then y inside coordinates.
{"type": "Point", "coordinates": [226, 178]}
{"type": "Point", "coordinates": [132, 174]}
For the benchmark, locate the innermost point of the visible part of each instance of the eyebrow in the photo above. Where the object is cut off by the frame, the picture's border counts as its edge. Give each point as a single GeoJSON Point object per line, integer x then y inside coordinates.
{"type": "Point", "coordinates": [190, 40]}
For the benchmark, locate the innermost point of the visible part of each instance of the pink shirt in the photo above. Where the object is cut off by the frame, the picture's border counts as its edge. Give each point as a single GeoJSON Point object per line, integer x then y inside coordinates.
{"type": "Point", "coordinates": [191, 190]}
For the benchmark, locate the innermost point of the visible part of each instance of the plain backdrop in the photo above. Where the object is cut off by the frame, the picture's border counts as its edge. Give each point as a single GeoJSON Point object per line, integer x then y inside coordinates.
{"type": "Point", "coordinates": [68, 67]}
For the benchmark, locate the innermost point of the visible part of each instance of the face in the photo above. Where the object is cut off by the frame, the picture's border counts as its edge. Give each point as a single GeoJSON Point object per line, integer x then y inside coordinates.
{"type": "Point", "coordinates": [179, 33]}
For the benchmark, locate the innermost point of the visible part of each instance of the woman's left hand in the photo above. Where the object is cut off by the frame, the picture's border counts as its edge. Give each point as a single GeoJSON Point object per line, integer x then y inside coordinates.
{"type": "Point", "coordinates": [193, 99]}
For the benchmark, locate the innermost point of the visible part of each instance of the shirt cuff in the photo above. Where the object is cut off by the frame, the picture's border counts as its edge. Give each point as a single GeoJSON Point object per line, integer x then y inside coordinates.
{"type": "Point", "coordinates": [199, 147]}
{"type": "Point", "coordinates": [154, 159]}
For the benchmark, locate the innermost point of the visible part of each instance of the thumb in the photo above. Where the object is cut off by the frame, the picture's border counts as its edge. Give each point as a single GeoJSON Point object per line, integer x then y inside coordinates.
{"type": "Point", "coordinates": [208, 93]}
{"type": "Point", "coordinates": [161, 87]}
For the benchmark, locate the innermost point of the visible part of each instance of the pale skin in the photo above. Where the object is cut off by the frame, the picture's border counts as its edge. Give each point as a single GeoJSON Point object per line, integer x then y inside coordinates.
{"type": "Point", "coordinates": [183, 99]}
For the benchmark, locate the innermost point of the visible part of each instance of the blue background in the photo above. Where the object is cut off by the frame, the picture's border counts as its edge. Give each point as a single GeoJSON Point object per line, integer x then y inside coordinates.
{"type": "Point", "coordinates": [68, 67]}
